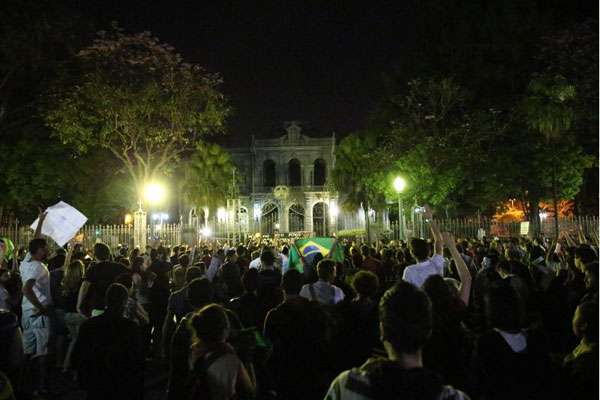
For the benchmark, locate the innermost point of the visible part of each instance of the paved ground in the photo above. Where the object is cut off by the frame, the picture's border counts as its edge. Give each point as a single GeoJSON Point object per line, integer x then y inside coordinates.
{"type": "Point", "coordinates": [62, 388]}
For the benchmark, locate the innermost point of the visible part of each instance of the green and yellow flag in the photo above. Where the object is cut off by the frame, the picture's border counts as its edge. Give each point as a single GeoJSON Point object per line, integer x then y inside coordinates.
{"type": "Point", "coordinates": [303, 251]}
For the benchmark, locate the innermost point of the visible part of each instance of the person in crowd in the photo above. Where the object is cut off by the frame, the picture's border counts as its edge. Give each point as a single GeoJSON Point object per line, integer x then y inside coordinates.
{"type": "Point", "coordinates": [510, 362]}
{"type": "Point", "coordinates": [246, 306]}
{"type": "Point", "coordinates": [98, 277]}
{"type": "Point", "coordinates": [425, 267]}
{"type": "Point", "coordinates": [201, 293]}
{"type": "Point", "coordinates": [369, 262]}
{"type": "Point", "coordinates": [108, 353]}
{"type": "Point", "coordinates": [230, 275]}
{"type": "Point", "coordinates": [360, 321]}
{"type": "Point", "coordinates": [70, 285]}
{"type": "Point", "coordinates": [406, 323]}
{"type": "Point", "coordinates": [12, 357]}
{"type": "Point", "coordinates": [255, 260]}
{"type": "Point", "coordinates": [300, 332]}
{"type": "Point", "coordinates": [178, 273]}
{"type": "Point", "coordinates": [217, 371]}
{"type": "Point", "coordinates": [134, 311]}
{"type": "Point", "coordinates": [178, 307]}
{"type": "Point", "coordinates": [36, 308]}
{"type": "Point", "coordinates": [590, 271]}
{"type": "Point", "coordinates": [269, 285]}
{"type": "Point", "coordinates": [215, 264]}
{"type": "Point", "coordinates": [323, 290]}
{"type": "Point", "coordinates": [580, 367]}
{"type": "Point", "coordinates": [159, 292]}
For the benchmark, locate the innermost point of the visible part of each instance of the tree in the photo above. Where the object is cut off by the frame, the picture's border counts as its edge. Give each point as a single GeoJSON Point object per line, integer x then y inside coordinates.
{"type": "Point", "coordinates": [208, 176]}
{"type": "Point", "coordinates": [359, 174]}
{"type": "Point", "coordinates": [548, 112]}
{"type": "Point", "coordinates": [137, 98]}
{"type": "Point", "coordinates": [435, 141]}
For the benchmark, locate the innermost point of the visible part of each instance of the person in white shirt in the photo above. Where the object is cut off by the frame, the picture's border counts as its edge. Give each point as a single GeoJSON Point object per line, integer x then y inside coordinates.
{"type": "Point", "coordinates": [323, 291]}
{"type": "Point", "coordinates": [418, 273]}
{"type": "Point", "coordinates": [36, 304]}
{"type": "Point", "coordinates": [215, 264]}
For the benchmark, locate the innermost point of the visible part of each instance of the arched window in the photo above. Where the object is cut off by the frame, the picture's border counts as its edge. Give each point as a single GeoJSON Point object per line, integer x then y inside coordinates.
{"type": "Point", "coordinates": [269, 173]}
{"type": "Point", "coordinates": [294, 173]}
{"type": "Point", "coordinates": [296, 218]}
{"type": "Point", "coordinates": [320, 216]}
{"type": "Point", "coordinates": [320, 175]}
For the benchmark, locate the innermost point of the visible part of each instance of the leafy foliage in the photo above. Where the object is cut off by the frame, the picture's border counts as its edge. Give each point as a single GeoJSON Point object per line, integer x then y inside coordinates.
{"type": "Point", "coordinates": [138, 99]}
{"type": "Point", "coordinates": [208, 176]}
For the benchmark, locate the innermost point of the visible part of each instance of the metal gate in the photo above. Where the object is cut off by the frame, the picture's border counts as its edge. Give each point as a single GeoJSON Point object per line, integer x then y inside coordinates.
{"type": "Point", "coordinates": [320, 214]}
{"type": "Point", "coordinates": [296, 218]}
{"type": "Point", "coordinates": [269, 219]}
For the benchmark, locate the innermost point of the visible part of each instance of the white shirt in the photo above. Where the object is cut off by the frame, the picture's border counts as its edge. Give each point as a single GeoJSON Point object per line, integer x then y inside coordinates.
{"type": "Point", "coordinates": [418, 273]}
{"type": "Point", "coordinates": [255, 263]}
{"type": "Point", "coordinates": [325, 292]}
{"type": "Point", "coordinates": [284, 262]}
{"type": "Point", "coordinates": [32, 269]}
{"type": "Point", "coordinates": [516, 341]}
{"type": "Point", "coordinates": [215, 264]}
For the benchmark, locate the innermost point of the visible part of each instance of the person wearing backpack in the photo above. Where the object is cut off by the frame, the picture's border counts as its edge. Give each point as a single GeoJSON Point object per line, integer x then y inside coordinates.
{"type": "Point", "coordinates": [323, 290]}
{"type": "Point", "coordinates": [217, 372]}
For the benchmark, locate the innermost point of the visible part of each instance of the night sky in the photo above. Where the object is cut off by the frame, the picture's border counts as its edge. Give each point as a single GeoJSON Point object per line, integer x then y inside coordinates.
{"type": "Point", "coordinates": [317, 62]}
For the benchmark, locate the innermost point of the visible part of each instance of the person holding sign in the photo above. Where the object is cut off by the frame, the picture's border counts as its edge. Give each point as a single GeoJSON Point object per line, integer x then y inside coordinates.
{"type": "Point", "coordinates": [36, 305]}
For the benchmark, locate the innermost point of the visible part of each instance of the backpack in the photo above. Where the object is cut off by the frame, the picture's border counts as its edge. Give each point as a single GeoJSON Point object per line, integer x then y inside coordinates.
{"type": "Point", "coordinates": [200, 388]}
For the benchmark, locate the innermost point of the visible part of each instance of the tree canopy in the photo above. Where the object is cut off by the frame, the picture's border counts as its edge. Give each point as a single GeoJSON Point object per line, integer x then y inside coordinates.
{"type": "Point", "coordinates": [135, 96]}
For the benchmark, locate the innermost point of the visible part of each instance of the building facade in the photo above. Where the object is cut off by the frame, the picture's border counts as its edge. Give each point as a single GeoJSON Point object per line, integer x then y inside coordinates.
{"type": "Point", "coordinates": [282, 184]}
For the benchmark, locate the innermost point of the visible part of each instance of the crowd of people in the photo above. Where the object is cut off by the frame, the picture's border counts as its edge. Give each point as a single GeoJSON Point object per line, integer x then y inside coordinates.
{"type": "Point", "coordinates": [446, 318]}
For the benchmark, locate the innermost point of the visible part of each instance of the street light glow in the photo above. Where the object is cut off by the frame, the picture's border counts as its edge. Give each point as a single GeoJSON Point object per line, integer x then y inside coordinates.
{"type": "Point", "coordinates": [206, 232]}
{"type": "Point", "coordinates": [399, 184]}
{"type": "Point", "coordinates": [221, 214]}
{"type": "Point", "coordinates": [154, 193]}
{"type": "Point", "coordinates": [333, 209]}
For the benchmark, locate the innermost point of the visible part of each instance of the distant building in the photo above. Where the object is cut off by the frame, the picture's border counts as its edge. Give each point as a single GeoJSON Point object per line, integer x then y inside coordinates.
{"type": "Point", "coordinates": [282, 183]}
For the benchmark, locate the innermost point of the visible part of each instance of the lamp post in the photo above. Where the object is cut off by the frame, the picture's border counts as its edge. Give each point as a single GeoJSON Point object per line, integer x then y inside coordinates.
{"type": "Point", "coordinates": [399, 185]}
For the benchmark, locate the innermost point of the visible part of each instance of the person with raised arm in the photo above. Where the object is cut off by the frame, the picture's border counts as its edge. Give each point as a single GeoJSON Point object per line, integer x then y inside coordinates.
{"type": "Point", "coordinates": [461, 267]}
{"type": "Point", "coordinates": [418, 273]}
{"type": "Point", "coordinates": [36, 305]}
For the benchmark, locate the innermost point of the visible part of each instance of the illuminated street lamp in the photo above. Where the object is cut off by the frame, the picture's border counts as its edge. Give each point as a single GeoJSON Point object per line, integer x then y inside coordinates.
{"type": "Point", "coordinates": [399, 186]}
{"type": "Point", "coordinates": [154, 193]}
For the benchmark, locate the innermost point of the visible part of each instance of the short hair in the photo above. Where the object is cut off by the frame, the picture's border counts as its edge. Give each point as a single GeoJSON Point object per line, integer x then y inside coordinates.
{"type": "Point", "coordinates": [588, 312]}
{"type": "Point", "coordinates": [101, 252]}
{"type": "Point", "coordinates": [365, 283]}
{"type": "Point", "coordinates": [37, 244]}
{"type": "Point", "coordinates": [250, 280]}
{"type": "Point", "coordinates": [230, 253]}
{"type": "Point", "coordinates": [419, 249]}
{"type": "Point", "coordinates": [285, 250]}
{"type": "Point", "coordinates": [116, 296]}
{"type": "Point", "coordinates": [241, 250]}
{"type": "Point", "coordinates": [325, 268]}
{"type": "Point", "coordinates": [200, 292]}
{"type": "Point", "coordinates": [211, 324]}
{"type": "Point", "coordinates": [193, 273]}
{"type": "Point", "coordinates": [364, 249]}
{"type": "Point", "coordinates": [267, 257]}
{"type": "Point", "coordinates": [585, 254]}
{"type": "Point", "coordinates": [504, 307]}
{"type": "Point", "coordinates": [184, 260]}
{"type": "Point", "coordinates": [405, 315]}
{"type": "Point", "coordinates": [292, 281]}
{"type": "Point", "coordinates": [125, 279]}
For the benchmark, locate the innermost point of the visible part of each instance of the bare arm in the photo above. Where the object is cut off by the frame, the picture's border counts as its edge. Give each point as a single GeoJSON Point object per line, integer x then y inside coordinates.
{"type": "Point", "coordinates": [32, 297]}
{"type": "Point", "coordinates": [435, 230]}
{"type": "Point", "coordinates": [38, 229]}
{"type": "Point", "coordinates": [246, 383]}
{"type": "Point", "coordinates": [461, 267]}
{"type": "Point", "coordinates": [83, 290]}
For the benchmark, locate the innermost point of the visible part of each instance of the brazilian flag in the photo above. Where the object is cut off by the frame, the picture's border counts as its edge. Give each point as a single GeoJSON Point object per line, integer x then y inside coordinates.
{"type": "Point", "coordinates": [303, 251]}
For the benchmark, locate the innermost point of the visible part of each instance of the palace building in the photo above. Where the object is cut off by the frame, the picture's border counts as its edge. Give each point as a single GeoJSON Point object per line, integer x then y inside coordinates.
{"type": "Point", "coordinates": [283, 184]}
